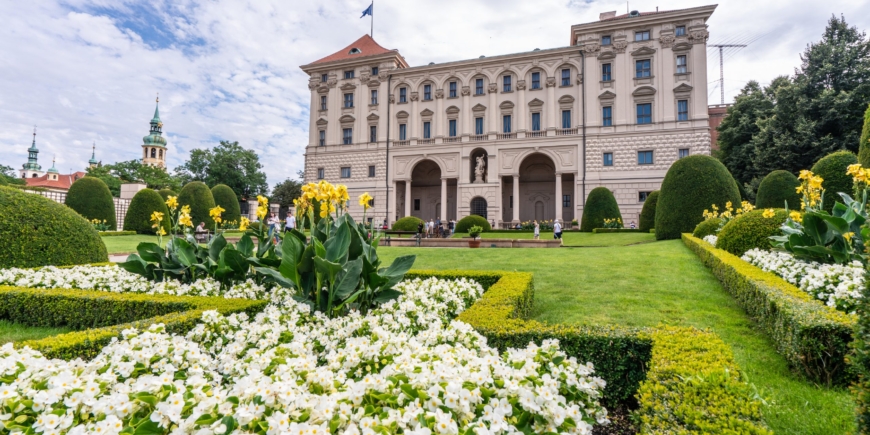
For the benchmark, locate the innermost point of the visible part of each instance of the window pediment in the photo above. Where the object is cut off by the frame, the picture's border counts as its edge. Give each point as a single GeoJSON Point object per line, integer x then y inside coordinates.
{"type": "Point", "coordinates": [566, 99]}
{"type": "Point", "coordinates": [506, 105]}
{"type": "Point", "coordinates": [348, 87]}
{"type": "Point", "coordinates": [644, 91]}
{"type": "Point", "coordinates": [346, 118]}
{"type": "Point", "coordinates": [643, 51]}
{"type": "Point", "coordinates": [682, 46]}
{"type": "Point", "coordinates": [373, 117]}
{"type": "Point", "coordinates": [478, 107]}
{"type": "Point", "coordinates": [427, 112]}
{"type": "Point", "coordinates": [452, 110]}
{"type": "Point", "coordinates": [607, 95]}
{"type": "Point", "coordinates": [322, 121]}
{"type": "Point", "coordinates": [536, 103]}
{"type": "Point", "coordinates": [401, 115]}
{"type": "Point", "coordinates": [607, 55]}
{"type": "Point", "coordinates": [683, 88]}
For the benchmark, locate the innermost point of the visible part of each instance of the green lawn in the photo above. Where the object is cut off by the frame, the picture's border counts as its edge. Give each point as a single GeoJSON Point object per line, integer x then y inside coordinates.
{"type": "Point", "coordinates": [577, 238]}
{"type": "Point", "coordinates": [646, 285]}
{"type": "Point", "coordinates": [126, 244]}
{"type": "Point", "coordinates": [11, 332]}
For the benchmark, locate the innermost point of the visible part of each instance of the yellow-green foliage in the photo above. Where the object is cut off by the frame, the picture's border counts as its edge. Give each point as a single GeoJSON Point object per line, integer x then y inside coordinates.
{"type": "Point", "coordinates": [107, 314]}
{"type": "Point", "coordinates": [813, 337]}
{"type": "Point", "coordinates": [750, 230]}
{"type": "Point", "coordinates": [694, 386]}
{"type": "Point", "coordinates": [706, 228]}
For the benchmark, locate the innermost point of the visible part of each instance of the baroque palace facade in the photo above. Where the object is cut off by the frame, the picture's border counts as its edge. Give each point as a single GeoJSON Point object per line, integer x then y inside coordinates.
{"type": "Point", "coordinates": [514, 137]}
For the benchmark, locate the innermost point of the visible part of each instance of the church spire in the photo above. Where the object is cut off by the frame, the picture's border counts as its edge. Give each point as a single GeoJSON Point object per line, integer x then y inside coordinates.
{"type": "Point", "coordinates": [53, 170]}
{"type": "Point", "coordinates": [93, 161]}
{"type": "Point", "coordinates": [32, 154]}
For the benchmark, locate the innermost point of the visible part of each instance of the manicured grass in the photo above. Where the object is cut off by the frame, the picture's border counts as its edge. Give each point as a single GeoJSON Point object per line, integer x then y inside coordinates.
{"type": "Point", "coordinates": [127, 244]}
{"type": "Point", "coordinates": [577, 238]}
{"type": "Point", "coordinates": [12, 332]}
{"type": "Point", "coordinates": [647, 285]}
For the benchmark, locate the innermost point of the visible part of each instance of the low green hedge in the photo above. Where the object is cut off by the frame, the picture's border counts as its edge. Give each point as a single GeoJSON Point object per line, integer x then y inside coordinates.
{"type": "Point", "coordinates": [616, 230]}
{"type": "Point", "coordinates": [116, 233]}
{"type": "Point", "coordinates": [812, 337]}
{"type": "Point", "coordinates": [107, 314]}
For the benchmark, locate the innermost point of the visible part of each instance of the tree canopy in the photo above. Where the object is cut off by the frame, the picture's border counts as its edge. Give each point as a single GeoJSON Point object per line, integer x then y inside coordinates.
{"type": "Point", "coordinates": [228, 163]}
{"type": "Point", "coordinates": [286, 191]}
{"type": "Point", "coordinates": [132, 171]}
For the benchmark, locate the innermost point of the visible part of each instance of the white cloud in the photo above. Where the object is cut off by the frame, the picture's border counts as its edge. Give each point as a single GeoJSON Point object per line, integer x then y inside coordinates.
{"type": "Point", "coordinates": [88, 70]}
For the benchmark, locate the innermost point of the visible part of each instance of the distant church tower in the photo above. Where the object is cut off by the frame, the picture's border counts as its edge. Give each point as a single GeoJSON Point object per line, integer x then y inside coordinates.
{"type": "Point", "coordinates": [92, 163]}
{"type": "Point", "coordinates": [31, 169]}
{"type": "Point", "coordinates": [154, 145]}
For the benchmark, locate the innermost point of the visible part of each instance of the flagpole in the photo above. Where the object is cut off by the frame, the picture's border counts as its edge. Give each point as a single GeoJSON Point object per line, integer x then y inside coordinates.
{"type": "Point", "coordinates": [373, 20]}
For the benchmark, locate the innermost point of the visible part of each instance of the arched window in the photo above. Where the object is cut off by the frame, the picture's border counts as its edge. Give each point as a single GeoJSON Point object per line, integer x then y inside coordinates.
{"type": "Point", "coordinates": [153, 153]}
{"type": "Point", "coordinates": [160, 153]}
{"type": "Point", "coordinates": [478, 206]}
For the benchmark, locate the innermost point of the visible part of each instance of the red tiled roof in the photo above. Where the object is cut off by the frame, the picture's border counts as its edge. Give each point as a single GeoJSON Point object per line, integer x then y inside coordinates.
{"type": "Point", "coordinates": [366, 45]}
{"type": "Point", "coordinates": [64, 181]}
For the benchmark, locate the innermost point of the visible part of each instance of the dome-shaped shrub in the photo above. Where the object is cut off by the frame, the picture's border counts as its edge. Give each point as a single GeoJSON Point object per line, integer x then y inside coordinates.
{"type": "Point", "coordinates": [750, 230]}
{"type": "Point", "coordinates": [707, 228]}
{"type": "Point", "coordinates": [693, 184]}
{"type": "Point", "coordinates": [37, 231]}
{"type": "Point", "coordinates": [471, 220]}
{"type": "Point", "coordinates": [166, 193]}
{"type": "Point", "coordinates": [832, 168]}
{"type": "Point", "coordinates": [600, 205]}
{"type": "Point", "coordinates": [648, 212]}
{"type": "Point", "coordinates": [226, 198]}
{"type": "Point", "coordinates": [91, 198]}
{"type": "Point", "coordinates": [407, 223]}
{"type": "Point", "coordinates": [144, 203]}
{"type": "Point", "coordinates": [198, 196]}
{"type": "Point", "coordinates": [777, 188]}
{"type": "Point", "coordinates": [864, 142]}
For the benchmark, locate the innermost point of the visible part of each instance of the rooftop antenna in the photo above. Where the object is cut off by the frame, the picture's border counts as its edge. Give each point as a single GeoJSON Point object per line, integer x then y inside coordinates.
{"type": "Point", "coordinates": [721, 69]}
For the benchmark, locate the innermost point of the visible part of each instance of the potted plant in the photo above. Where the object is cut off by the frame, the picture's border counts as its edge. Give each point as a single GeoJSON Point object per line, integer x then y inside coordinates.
{"type": "Point", "coordinates": [474, 232]}
{"type": "Point", "coordinates": [574, 224]}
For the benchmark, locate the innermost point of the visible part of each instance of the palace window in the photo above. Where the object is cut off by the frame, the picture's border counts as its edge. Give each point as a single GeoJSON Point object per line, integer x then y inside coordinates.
{"type": "Point", "coordinates": [403, 131]}
{"type": "Point", "coordinates": [644, 113]}
{"type": "Point", "coordinates": [371, 171]}
{"type": "Point", "coordinates": [680, 31]}
{"type": "Point", "coordinates": [607, 116]}
{"type": "Point", "coordinates": [642, 35]}
{"type": "Point", "coordinates": [478, 125]}
{"type": "Point", "coordinates": [322, 137]}
{"type": "Point", "coordinates": [427, 92]}
{"type": "Point", "coordinates": [536, 80]}
{"type": "Point", "coordinates": [682, 110]}
{"type": "Point", "coordinates": [478, 87]}
{"type": "Point", "coordinates": [348, 100]}
{"type": "Point", "coordinates": [348, 74]}
{"type": "Point", "coordinates": [374, 71]}
{"type": "Point", "coordinates": [605, 72]}
{"type": "Point", "coordinates": [506, 124]}
{"type": "Point", "coordinates": [373, 133]}
{"type": "Point", "coordinates": [323, 102]}
{"type": "Point", "coordinates": [536, 121]}
{"type": "Point", "coordinates": [642, 68]}
{"type": "Point", "coordinates": [608, 159]}
{"type": "Point", "coordinates": [345, 172]}
{"type": "Point", "coordinates": [320, 174]}
{"type": "Point", "coordinates": [566, 119]}
{"type": "Point", "coordinates": [452, 128]}
{"type": "Point", "coordinates": [605, 40]}
{"type": "Point", "coordinates": [347, 136]}
{"type": "Point", "coordinates": [427, 130]}
{"type": "Point", "coordinates": [403, 95]}
{"type": "Point", "coordinates": [642, 196]}
{"type": "Point", "coordinates": [507, 83]}
{"type": "Point", "coordinates": [416, 205]}
{"type": "Point", "coordinates": [683, 152]}
{"type": "Point", "coordinates": [682, 68]}
{"type": "Point", "coordinates": [452, 90]}
{"type": "Point", "coordinates": [374, 97]}
{"type": "Point", "coordinates": [566, 201]}
{"type": "Point", "coordinates": [644, 157]}
{"type": "Point", "coordinates": [323, 78]}
{"type": "Point", "coordinates": [566, 77]}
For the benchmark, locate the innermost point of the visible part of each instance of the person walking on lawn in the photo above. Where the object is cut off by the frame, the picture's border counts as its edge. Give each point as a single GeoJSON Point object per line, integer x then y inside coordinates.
{"type": "Point", "coordinates": [537, 231]}
{"type": "Point", "coordinates": [557, 230]}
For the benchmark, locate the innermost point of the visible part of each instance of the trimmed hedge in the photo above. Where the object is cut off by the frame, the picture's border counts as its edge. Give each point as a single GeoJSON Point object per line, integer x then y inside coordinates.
{"type": "Point", "coordinates": [778, 188]}
{"type": "Point", "coordinates": [750, 230]}
{"type": "Point", "coordinates": [617, 230]}
{"type": "Point", "coordinates": [226, 198]}
{"type": "Point", "coordinates": [116, 233]}
{"type": "Point", "coordinates": [695, 386]}
{"type": "Point", "coordinates": [647, 219]}
{"type": "Point", "coordinates": [813, 337]}
{"type": "Point", "coordinates": [144, 203]}
{"type": "Point", "coordinates": [166, 193]}
{"type": "Point", "coordinates": [37, 231]}
{"type": "Point", "coordinates": [198, 196]}
{"type": "Point", "coordinates": [864, 142]}
{"type": "Point", "coordinates": [107, 314]}
{"type": "Point", "coordinates": [832, 168]}
{"type": "Point", "coordinates": [91, 198]}
{"type": "Point", "coordinates": [407, 223]}
{"type": "Point", "coordinates": [471, 220]}
{"type": "Point", "coordinates": [859, 359]}
{"type": "Point", "coordinates": [693, 184]}
{"type": "Point", "coordinates": [709, 227]}
{"type": "Point", "coordinates": [600, 205]}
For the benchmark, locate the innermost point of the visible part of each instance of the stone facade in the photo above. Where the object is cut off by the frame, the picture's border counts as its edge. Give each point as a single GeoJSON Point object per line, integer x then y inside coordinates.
{"type": "Point", "coordinates": [504, 136]}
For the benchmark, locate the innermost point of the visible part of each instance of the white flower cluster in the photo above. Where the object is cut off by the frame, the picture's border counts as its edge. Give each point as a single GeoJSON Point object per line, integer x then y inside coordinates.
{"type": "Point", "coordinates": [711, 239]}
{"type": "Point", "coordinates": [406, 367]}
{"type": "Point", "coordinates": [117, 280]}
{"type": "Point", "coordinates": [837, 285]}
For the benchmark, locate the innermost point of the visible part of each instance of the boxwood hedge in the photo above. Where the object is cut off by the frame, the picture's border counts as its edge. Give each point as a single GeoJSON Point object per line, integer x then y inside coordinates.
{"type": "Point", "coordinates": [750, 230]}
{"type": "Point", "coordinates": [647, 219]}
{"type": "Point", "coordinates": [832, 168]}
{"type": "Point", "coordinates": [777, 189]}
{"type": "Point", "coordinates": [198, 196]}
{"type": "Point", "coordinates": [600, 205]}
{"type": "Point", "coordinates": [144, 203]}
{"type": "Point", "coordinates": [166, 193]}
{"type": "Point", "coordinates": [91, 198]}
{"type": "Point", "coordinates": [226, 198]}
{"type": "Point", "coordinates": [864, 141]}
{"type": "Point", "coordinates": [36, 231]}
{"type": "Point", "coordinates": [471, 220]}
{"type": "Point", "coordinates": [709, 227]}
{"type": "Point", "coordinates": [407, 223]}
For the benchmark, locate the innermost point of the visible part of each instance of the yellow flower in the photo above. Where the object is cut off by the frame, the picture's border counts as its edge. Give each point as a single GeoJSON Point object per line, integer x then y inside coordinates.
{"type": "Point", "coordinates": [364, 200]}
{"type": "Point", "coordinates": [185, 209]}
{"type": "Point", "coordinates": [215, 213]}
{"type": "Point", "coordinates": [243, 223]}
{"type": "Point", "coordinates": [848, 236]}
{"type": "Point", "coordinates": [172, 202]}
{"type": "Point", "coordinates": [161, 232]}
{"type": "Point", "coordinates": [156, 217]}
{"type": "Point", "coordinates": [262, 200]}
{"type": "Point", "coordinates": [796, 216]}
{"type": "Point", "coordinates": [184, 220]}
{"type": "Point", "coordinates": [769, 213]}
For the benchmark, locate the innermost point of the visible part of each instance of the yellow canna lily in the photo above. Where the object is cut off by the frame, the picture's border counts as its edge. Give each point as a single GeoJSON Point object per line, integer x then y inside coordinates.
{"type": "Point", "coordinates": [768, 213]}
{"type": "Point", "coordinates": [172, 202]}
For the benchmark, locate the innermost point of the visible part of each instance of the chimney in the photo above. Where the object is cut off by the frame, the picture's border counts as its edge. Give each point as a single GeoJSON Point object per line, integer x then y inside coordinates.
{"type": "Point", "coordinates": [605, 15]}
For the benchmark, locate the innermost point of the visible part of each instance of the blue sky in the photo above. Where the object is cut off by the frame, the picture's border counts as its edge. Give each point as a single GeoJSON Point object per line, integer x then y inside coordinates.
{"type": "Point", "coordinates": [88, 71]}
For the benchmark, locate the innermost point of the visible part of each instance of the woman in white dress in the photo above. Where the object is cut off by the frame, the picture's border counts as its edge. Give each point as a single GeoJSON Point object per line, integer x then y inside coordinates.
{"type": "Point", "coordinates": [537, 230]}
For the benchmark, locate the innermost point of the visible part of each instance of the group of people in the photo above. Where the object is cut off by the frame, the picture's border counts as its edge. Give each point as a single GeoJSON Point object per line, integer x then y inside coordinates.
{"type": "Point", "coordinates": [435, 228]}
{"type": "Point", "coordinates": [557, 229]}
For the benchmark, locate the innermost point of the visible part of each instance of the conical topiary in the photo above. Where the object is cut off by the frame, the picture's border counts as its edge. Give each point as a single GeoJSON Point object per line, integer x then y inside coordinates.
{"type": "Point", "coordinates": [864, 142]}
{"type": "Point", "coordinates": [144, 203]}
{"type": "Point", "coordinates": [832, 169]}
{"type": "Point", "coordinates": [198, 196]}
{"type": "Point", "coordinates": [226, 198]}
{"type": "Point", "coordinates": [778, 188]}
{"type": "Point", "coordinates": [600, 205]}
{"type": "Point", "coordinates": [166, 193]}
{"type": "Point", "coordinates": [648, 212]}
{"type": "Point", "coordinates": [91, 198]}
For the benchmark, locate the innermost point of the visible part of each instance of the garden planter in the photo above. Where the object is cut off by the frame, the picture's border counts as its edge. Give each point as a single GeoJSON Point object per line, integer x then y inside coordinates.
{"type": "Point", "coordinates": [474, 243]}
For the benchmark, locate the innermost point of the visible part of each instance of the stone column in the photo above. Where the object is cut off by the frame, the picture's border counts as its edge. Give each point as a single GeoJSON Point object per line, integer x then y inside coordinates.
{"type": "Point", "coordinates": [500, 201]}
{"type": "Point", "coordinates": [492, 111]}
{"type": "Point", "coordinates": [516, 199]}
{"type": "Point", "coordinates": [414, 119]}
{"type": "Point", "coordinates": [443, 210]}
{"type": "Point", "coordinates": [466, 118]}
{"type": "Point", "coordinates": [391, 213]}
{"type": "Point", "coordinates": [408, 199]}
{"type": "Point", "coordinates": [521, 108]}
{"type": "Point", "coordinates": [559, 198]}
{"type": "Point", "coordinates": [551, 99]}
{"type": "Point", "coordinates": [438, 128]}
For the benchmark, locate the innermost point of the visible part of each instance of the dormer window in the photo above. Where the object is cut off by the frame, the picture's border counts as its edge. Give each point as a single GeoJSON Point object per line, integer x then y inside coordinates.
{"type": "Point", "coordinates": [354, 51]}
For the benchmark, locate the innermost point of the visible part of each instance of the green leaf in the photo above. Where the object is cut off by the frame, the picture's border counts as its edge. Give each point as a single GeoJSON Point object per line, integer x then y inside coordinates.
{"type": "Point", "coordinates": [348, 279]}
{"type": "Point", "coordinates": [134, 264]}
{"type": "Point", "coordinates": [327, 267]}
{"type": "Point", "coordinates": [215, 246]}
{"type": "Point", "coordinates": [291, 254]}
{"type": "Point", "coordinates": [245, 245]}
{"type": "Point", "coordinates": [151, 252]}
{"type": "Point", "coordinates": [338, 244]}
{"type": "Point", "coordinates": [386, 295]}
{"type": "Point", "coordinates": [185, 251]}
{"type": "Point", "coordinates": [148, 428]}
{"type": "Point", "coordinates": [276, 276]}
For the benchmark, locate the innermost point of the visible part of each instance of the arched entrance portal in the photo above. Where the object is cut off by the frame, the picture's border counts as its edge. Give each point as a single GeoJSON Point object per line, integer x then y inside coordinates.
{"type": "Point", "coordinates": [426, 193]}
{"type": "Point", "coordinates": [478, 206]}
{"type": "Point", "coordinates": [538, 197]}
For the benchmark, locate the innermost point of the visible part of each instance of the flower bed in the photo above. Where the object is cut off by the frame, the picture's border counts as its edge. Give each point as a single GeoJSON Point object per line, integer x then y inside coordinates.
{"type": "Point", "coordinates": [836, 285]}
{"type": "Point", "coordinates": [406, 366]}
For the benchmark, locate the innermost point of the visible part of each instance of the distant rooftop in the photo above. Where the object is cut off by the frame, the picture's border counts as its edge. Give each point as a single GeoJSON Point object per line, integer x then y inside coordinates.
{"type": "Point", "coordinates": [362, 47]}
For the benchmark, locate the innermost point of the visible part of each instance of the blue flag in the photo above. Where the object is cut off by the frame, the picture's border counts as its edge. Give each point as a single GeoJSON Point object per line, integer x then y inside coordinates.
{"type": "Point", "coordinates": [369, 10]}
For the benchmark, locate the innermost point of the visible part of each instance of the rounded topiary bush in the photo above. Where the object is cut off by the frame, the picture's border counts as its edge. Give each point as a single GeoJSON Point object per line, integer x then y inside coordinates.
{"type": "Point", "coordinates": [91, 198]}
{"type": "Point", "coordinates": [777, 188]}
{"type": "Point", "coordinates": [471, 220]}
{"type": "Point", "coordinates": [707, 228]}
{"type": "Point", "coordinates": [144, 203]}
{"type": "Point", "coordinates": [407, 223]}
{"type": "Point", "coordinates": [832, 168]}
{"type": "Point", "coordinates": [226, 198]}
{"type": "Point", "coordinates": [693, 184]}
{"type": "Point", "coordinates": [750, 230]}
{"type": "Point", "coordinates": [600, 205]}
{"type": "Point", "coordinates": [166, 193]}
{"type": "Point", "coordinates": [198, 196]}
{"type": "Point", "coordinates": [647, 219]}
{"type": "Point", "coordinates": [37, 231]}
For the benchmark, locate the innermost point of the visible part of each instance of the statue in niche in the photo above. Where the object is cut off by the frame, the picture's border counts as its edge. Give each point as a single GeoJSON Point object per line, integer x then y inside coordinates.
{"type": "Point", "coordinates": [480, 170]}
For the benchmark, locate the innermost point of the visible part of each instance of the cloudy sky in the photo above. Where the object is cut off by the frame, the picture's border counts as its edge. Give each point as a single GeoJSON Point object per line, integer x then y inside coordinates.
{"type": "Point", "coordinates": [88, 71]}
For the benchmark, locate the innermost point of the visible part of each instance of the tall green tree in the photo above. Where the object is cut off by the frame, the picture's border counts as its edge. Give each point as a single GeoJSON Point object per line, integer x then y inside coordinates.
{"type": "Point", "coordinates": [134, 171]}
{"type": "Point", "coordinates": [286, 191]}
{"type": "Point", "coordinates": [740, 126]}
{"type": "Point", "coordinates": [7, 174]}
{"type": "Point", "coordinates": [228, 163]}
